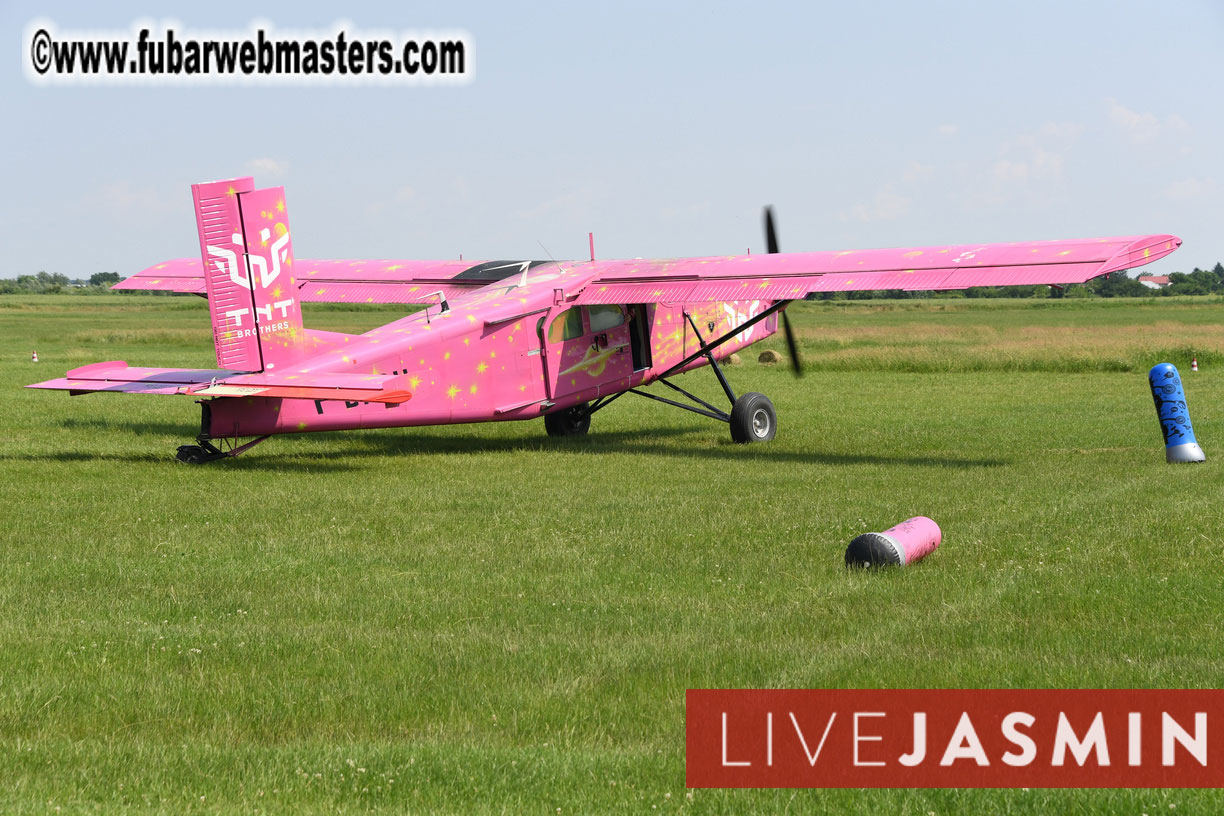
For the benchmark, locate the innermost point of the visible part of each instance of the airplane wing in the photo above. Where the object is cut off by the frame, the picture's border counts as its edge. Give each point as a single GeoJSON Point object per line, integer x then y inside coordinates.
{"type": "Point", "coordinates": [793, 276]}
{"type": "Point", "coordinates": [342, 281]}
{"type": "Point", "coordinates": [118, 376]}
{"type": "Point", "coordinates": [782, 276]}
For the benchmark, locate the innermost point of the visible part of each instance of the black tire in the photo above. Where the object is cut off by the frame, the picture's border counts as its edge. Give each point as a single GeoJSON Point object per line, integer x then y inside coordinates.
{"type": "Point", "coordinates": [573, 421]}
{"type": "Point", "coordinates": [192, 455]}
{"type": "Point", "coordinates": [753, 419]}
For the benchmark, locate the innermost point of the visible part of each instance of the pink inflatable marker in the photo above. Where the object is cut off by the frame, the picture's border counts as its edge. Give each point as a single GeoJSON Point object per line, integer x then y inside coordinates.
{"type": "Point", "coordinates": [910, 541]}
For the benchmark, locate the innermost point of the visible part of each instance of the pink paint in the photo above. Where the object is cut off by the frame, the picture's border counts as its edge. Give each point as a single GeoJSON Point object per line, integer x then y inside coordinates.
{"type": "Point", "coordinates": [908, 542]}
{"type": "Point", "coordinates": [520, 338]}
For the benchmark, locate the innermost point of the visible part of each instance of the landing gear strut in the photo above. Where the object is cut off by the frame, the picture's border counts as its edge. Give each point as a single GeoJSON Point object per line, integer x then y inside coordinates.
{"type": "Point", "coordinates": [752, 417]}
{"type": "Point", "coordinates": [205, 451]}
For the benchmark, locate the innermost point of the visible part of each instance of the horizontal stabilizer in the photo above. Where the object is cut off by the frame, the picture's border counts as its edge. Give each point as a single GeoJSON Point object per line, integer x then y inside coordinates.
{"type": "Point", "coordinates": [117, 376]}
{"type": "Point", "coordinates": [349, 387]}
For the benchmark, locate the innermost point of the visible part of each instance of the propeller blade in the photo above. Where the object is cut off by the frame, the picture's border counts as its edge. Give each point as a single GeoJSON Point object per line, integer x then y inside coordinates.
{"type": "Point", "coordinates": [771, 237]}
{"type": "Point", "coordinates": [792, 346]}
{"type": "Point", "coordinates": [771, 246]}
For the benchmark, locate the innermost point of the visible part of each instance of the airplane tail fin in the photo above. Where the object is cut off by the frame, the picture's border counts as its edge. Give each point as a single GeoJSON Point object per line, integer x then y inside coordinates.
{"type": "Point", "coordinates": [248, 274]}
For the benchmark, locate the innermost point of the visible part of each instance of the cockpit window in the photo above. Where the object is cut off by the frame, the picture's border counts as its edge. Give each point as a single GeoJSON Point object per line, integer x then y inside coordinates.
{"type": "Point", "coordinates": [567, 326]}
{"type": "Point", "coordinates": [605, 317]}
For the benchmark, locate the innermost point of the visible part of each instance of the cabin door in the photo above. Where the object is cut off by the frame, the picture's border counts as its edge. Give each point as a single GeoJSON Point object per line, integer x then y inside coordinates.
{"type": "Point", "coordinates": [587, 347]}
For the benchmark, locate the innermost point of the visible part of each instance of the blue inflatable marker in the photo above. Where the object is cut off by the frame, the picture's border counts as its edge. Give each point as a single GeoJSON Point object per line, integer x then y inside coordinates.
{"type": "Point", "coordinates": [1180, 445]}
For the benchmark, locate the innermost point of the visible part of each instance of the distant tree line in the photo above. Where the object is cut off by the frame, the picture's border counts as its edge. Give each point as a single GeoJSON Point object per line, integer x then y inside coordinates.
{"type": "Point", "coordinates": [55, 284]}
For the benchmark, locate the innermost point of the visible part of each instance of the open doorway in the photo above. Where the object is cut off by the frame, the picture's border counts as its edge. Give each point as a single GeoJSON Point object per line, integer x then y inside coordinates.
{"type": "Point", "coordinates": [639, 336]}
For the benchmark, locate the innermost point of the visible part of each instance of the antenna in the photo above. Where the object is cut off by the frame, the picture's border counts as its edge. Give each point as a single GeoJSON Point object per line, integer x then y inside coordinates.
{"type": "Point", "coordinates": [550, 257]}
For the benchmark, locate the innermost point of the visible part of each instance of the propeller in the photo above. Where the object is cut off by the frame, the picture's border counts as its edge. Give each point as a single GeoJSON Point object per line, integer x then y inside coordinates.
{"type": "Point", "coordinates": [771, 246]}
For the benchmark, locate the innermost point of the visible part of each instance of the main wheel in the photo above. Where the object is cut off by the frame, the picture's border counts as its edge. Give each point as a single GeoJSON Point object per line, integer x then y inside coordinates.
{"type": "Point", "coordinates": [573, 421]}
{"type": "Point", "coordinates": [753, 419]}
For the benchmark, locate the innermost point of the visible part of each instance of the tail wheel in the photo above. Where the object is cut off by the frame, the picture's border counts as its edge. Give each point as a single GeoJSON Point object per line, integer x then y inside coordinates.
{"type": "Point", "coordinates": [753, 419]}
{"type": "Point", "coordinates": [573, 421]}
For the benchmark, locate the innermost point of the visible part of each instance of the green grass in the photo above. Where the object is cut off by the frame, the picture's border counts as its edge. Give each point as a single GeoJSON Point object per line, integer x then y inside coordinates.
{"type": "Point", "coordinates": [480, 619]}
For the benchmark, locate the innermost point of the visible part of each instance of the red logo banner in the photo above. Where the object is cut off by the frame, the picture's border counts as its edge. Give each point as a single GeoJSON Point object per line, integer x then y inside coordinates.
{"type": "Point", "coordinates": [955, 738]}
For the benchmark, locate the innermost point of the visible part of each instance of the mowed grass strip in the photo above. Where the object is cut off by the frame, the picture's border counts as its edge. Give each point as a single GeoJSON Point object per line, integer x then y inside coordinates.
{"type": "Point", "coordinates": [481, 619]}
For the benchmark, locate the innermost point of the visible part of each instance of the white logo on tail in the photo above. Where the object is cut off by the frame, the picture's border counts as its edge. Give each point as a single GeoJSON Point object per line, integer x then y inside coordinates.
{"type": "Point", "coordinates": [738, 319]}
{"type": "Point", "coordinates": [280, 252]}
{"type": "Point", "coordinates": [229, 261]}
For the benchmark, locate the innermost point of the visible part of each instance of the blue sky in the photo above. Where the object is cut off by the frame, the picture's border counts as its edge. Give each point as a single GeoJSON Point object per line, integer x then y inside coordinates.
{"type": "Point", "coordinates": [663, 128]}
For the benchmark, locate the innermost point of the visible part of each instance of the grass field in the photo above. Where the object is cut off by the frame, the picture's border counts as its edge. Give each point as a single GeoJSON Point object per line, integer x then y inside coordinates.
{"type": "Point", "coordinates": [481, 619]}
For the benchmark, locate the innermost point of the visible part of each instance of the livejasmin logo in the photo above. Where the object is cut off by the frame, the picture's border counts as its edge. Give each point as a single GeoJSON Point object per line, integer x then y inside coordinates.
{"type": "Point", "coordinates": [954, 738]}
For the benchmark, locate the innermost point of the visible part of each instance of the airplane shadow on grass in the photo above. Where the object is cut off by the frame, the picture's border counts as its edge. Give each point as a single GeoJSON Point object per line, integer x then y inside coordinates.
{"type": "Point", "coordinates": [422, 442]}
{"type": "Point", "coordinates": [639, 442]}
{"type": "Point", "coordinates": [175, 429]}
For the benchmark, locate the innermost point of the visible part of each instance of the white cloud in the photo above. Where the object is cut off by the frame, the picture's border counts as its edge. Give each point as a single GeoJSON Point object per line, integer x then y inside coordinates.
{"type": "Point", "coordinates": [1189, 189]}
{"type": "Point", "coordinates": [1008, 170]}
{"type": "Point", "coordinates": [917, 171]}
{"type": "Point", "coordinates": [887, 205]}
{"type": "Point", "coordinates": [1145, 128]}
{"type": "Point", "coordinates": [1036, 156]}
{"type": "Point", "coordinates": [267, 168]}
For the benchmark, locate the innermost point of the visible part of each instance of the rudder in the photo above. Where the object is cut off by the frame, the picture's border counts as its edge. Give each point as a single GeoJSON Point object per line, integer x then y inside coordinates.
{"type": "Point", "coordinates": [248, 261]}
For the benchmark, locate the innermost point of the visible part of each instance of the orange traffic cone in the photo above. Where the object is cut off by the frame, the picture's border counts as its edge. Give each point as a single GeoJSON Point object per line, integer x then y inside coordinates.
{"type": "Point", "coordinates": [34, 357]}
{"type": "Point", "coordinates": [1193, 363]}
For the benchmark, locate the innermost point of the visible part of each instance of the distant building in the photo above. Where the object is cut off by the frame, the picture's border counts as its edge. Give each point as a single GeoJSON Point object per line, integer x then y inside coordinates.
{"type": "Point", "coordinates": [1154, 281]}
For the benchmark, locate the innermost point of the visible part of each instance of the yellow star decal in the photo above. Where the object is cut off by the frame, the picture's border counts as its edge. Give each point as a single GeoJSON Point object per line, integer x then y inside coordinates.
{"type": "Point", "coordinates": [481, 368]}
{"type": "Point", "coordinates": [452, 391]}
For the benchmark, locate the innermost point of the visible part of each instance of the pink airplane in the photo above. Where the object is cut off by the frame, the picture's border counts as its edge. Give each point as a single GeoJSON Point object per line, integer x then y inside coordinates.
{"type": "Point", "coordinates": [503, 340]}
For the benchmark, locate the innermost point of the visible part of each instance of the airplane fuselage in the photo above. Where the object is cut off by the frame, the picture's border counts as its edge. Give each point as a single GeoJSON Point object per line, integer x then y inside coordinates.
{"type": "Point", "coordinates": [510, 350]}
